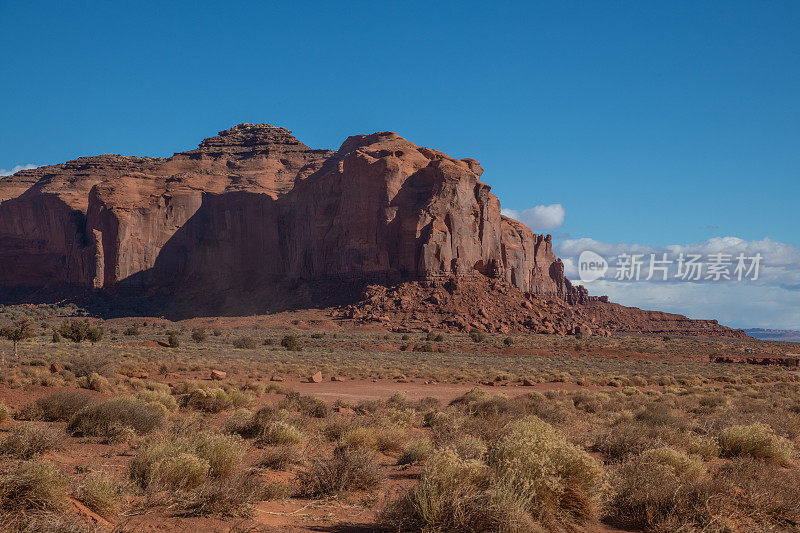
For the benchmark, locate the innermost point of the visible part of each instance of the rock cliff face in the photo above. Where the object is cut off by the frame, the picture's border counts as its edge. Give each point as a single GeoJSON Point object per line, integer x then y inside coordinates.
{"type": "Point", "coordinates": [254, 207]}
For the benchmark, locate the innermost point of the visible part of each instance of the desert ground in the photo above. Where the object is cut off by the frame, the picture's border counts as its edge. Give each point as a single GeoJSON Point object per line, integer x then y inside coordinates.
{"type": "Point", "coordinates": [298, 422]}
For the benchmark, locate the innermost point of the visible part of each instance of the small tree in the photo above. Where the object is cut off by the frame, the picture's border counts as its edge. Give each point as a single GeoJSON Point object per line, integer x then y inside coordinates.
{"type": "Point", "coordinates": [172, 340]}
{"type": "Point", "coordinates": [21, 330]}
{"type": "Point", "coordinates": [79, 331]}
{"type": "Point", "coordinates": [94, 335]}
{"type": "Point", "coordinates": [290, 343]}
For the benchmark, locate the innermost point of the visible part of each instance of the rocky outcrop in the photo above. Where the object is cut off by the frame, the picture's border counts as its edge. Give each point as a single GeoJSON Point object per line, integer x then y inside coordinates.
{"type": "Point", "coordinates": [255, 209]}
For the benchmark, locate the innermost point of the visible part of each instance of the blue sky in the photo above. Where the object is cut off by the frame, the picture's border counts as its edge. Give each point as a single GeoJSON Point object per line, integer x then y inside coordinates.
{"type": "Point", "coordinates": [657, 123]}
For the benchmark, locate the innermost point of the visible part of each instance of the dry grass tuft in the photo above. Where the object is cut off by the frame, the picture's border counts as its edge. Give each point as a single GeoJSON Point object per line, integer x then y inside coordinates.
{"type": "Point", "coordinates": [105, 419]}
{"type": "Point", "coordinates": [347, 469]}
{"type": "Point", "coordinates": [755, 440]}
{"type": "Point", "coordinates": [28, 440]}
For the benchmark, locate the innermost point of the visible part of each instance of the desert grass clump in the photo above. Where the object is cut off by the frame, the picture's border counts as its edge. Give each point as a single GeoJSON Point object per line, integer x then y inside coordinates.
{"type": "Point", "coordinates": [416, 453]}
{"type": "Point", "coordinates": [455, 494]}
{"type": "Point", "coordinates": [532, 479]}
{"type": "Point", "coordinates": [28, 440]}
{"type": "Point", "coordinates": [175, 462]}
{"type": "Point", "coordinates": [755, 440]}
{"type": "Point", "coordinates": [687, 467]}
{"type": "Point", "coordinates": [281, 457]}
{"type": "Point", "coordinates": [105, 419]}
{"type": "Point", "coordinates": [29, 488]}
{"type": "Point", "coordinates": [631, 437]}
{"type": "Point", "coordinates": [227, 498]}
{"type": "Point", "coordinates": [93, 381]}
{"type": "Point", "coordinates": [347, 469]}
{"type": "Point", "coordinates": [59, 406]}
{"type": "Point", "coordinates": [279, 432]}
{"type": "Point", "coordinates": [662, 490]}
{"type": "Point", "coordinates": [214, 400]}
{"type": "Point", "coordinates": [554, 480]}
{"type": "Point", "coordinates": [100, 493]}
{"type": "Point", "coordinates": [158, 397]}
{"type": "Point", "coordinates": [245, 343]}
{"type": "Point", "coordinates": [307, 405]}
{"type": "Point", "coordinates": [762, 493]}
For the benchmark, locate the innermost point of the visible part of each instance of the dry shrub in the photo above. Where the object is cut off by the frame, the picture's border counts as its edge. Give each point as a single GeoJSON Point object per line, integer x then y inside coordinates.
{"type": "Point", "coordinates": [105, 419]}
{"type": "Point", "coordinates": [159, 397]}
{"type": "Point", "coordinates": [93, 381]}
{"type": "Point", "coordinates": [239, 421]}
{"type": "Point", "coordinates": [755, 440]}
{"type": "Point", "coordinates": [28, 440]}
{"type": "Point", "coordinates": [170, 461]}
{"type": "Point", "coordinates": [660, 415]}
{"type": "Point", "coordinates": [30, 488]}
{"type": "Point", "coordinates": [59, 406]}
{"type": "Point", "coordinates": [229, 497]}
{"type": "Point", "coordinates": [281, 457]}
{"type": "Point", "coordinates": [278, 432]}
{"type": "Point", "coordinates": [100, 493]}
{"type": "Point", "coordinates": [416, 453]}
{"type": "Point", "coordinates": [346, 470]}
{"type": "Point", "coordinates": [49, 522]}
{"type": "Point", "coordinates": [214, 400]}
{"type": "Point", "coordinates": [456, 494]}
{"type": "Point", "coordinates": [448, 497]}
{"type": "Point", "coordinates": [762, 493]}
{"type": "Point", "coordinates": [534, 480]}
{"type": "Point", "coordinates": [661, 490]}
{"type": "Point", "coordinates": [629, 438]}
{"type": "Point", "coordinates": [688, 467]}
{"type": "Point", "coordinates": [307, 405]}
{"type": "Point", "coordinates": [554, 480]}
{"type": "Point", "coordinates": [469, 447]}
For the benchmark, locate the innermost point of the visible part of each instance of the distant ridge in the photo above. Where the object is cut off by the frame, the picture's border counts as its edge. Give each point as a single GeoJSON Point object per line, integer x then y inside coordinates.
{"type": "Point", "coordinates": [785, 335]}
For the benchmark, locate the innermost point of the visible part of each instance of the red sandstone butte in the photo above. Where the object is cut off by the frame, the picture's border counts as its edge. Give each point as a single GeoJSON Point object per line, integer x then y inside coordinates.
{"type": "Point", "coordinates": [253, 215]}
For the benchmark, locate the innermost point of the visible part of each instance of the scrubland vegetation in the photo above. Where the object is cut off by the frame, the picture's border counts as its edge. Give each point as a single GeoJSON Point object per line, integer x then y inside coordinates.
{"type": "Point", "coordinates": [111, 435]}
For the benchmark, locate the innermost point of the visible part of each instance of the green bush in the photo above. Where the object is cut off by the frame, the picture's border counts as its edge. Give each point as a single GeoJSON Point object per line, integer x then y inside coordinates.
{"type": "Point", "coordinates": [93, 381]}
{"type": "Point", "coordinates": [533, 480]}
{"type": "Point", "coordinates": [214, 400]}
{"type": "Point", "coordinates": [477, 335]}
{"type": "Point", "coordinates": [290, 343]}
{"type": "Point", "coordinates": [173, 341]}
{"type": "Point", "coordinates": [279, 432]}
{"type": "Point", "coordinates": [78, 331]}
{"type": "Point", "coordinates": [247, 343]}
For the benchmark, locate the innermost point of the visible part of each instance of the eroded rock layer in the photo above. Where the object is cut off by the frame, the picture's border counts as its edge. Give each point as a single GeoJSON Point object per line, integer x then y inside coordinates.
{"type": "Point", "coordinates": [254, 208]}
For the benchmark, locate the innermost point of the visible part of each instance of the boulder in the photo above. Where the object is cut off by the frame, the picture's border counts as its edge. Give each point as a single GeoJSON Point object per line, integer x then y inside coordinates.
{"type": "Point", "coordinates": [316, 377]}
{"type": "Point", "coordinates": [218, 375]}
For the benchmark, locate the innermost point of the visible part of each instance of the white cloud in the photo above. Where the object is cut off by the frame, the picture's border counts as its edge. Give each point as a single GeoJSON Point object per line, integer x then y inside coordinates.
{"type": "Point", "coordinates": [17, 168]}
{"type": "Point", "coordinates": [540, 217]}
{"type": "Point", "coordinates": [769, 302]}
